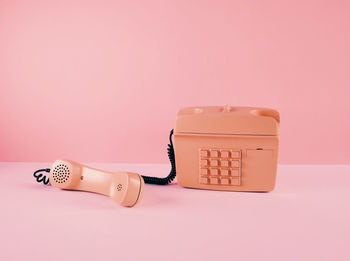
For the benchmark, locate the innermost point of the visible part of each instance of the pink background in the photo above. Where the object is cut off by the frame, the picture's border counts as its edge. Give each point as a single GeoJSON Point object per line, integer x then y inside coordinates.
{"type": "Point", "coordinates": [101, 81]}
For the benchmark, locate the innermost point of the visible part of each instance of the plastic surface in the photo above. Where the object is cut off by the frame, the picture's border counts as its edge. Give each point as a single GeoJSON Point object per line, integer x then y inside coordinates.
{"type": "Point", "coordinates": [227, 148]}
{"type": "Point", "coordinates": [228, 120]}
{"type": "Point", "coordinates": [125, 188]}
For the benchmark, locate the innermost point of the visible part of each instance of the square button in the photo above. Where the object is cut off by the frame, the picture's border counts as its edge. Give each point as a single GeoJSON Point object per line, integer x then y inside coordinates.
{"type": "Point", "coordinates": [204, 163]}
{"type": "Point", "coordinates": [225, 154]}
{"type": "Point", "coordinates": [204, 171]}
{"type": "Point", "coordinates": [224, 172]}
{"type": "Point", "coordinates": [236, 154]}
{"type": "Point", "coordinates": [225, 163]}
{"type": "Point", "coordinates": [214, 163]}
{"type": "Point", "coordinates": [203, 180]}
{"type": "Point", "coordinates": [235, 172]}
{"type": "Point", "coordinates": [214, 153]}
{"type": "Point", "coordinates": [204, 153]}
{"type": "Point", "coordinates": [235, 181]}
{"type": "Point", "coordinates": [224, 181]}
{"type": "Point", "coordinates": [214, 180]}
{"type": "Point", "coordinates": [235, 163]}
{"type": "Point", "coordinates": [214, 172]}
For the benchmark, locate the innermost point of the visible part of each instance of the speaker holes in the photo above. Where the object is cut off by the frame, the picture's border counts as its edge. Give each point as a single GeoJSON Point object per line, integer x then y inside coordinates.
{"type": "Point", "coordinates": [119, 187]}
{"type": "Point", "coordinates": [60, 173]}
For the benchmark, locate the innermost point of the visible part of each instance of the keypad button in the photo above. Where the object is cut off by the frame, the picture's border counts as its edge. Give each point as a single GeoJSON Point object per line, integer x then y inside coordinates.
{"type": "Point", "coordinates": [225, 154]}
{"type": "Point", "coordinates": [214, 172]}
{"type": "Point", "coordinates": [225, 163]}
{"type": "Point", "coordinates": [204, 163]}
{"type": "Point", "coordinates": [224, 181]}
{"type": "Point", "coordinates": [204, 171]}
{"type": "Point", "coordinates": [214, 163]}
{"type": "Point", "coordinates": [224, 172]}
{"type": "Point", "coordinates": [235, 163]}
{"type": "Point", "coordinates": [235, 172]}
{"type": "Point", "coordinates": [235, 181]}
{"type": "Point", "coordinates": [214, 153]}
{"type": "Point", "coordinates": [204, 153]}
{"type": "Point", "coordinates": [214, 180]}
{"type": "Point", "coordinates": [236, 154]}
{"type": "Point", "coordinates": [203, 180]}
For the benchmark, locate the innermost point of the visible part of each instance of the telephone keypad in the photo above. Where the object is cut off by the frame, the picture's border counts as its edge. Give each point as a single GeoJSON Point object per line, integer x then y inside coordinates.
{"type": "Point", "coordinates": [220, 166]}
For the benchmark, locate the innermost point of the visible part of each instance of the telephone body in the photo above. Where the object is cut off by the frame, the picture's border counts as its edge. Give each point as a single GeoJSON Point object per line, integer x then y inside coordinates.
{"type": "Point", "coordinates": [227, 148]}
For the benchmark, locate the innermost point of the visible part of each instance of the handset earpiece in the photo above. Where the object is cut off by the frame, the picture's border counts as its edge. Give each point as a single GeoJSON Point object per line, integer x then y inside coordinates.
{"type": "Point", "coordinates": [126, 188]}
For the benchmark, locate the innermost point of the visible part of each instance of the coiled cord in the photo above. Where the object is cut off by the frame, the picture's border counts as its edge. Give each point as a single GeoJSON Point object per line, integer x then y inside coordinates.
{"type": "Point", "coordinates": [42, 177]}
{"type": "Point", "coordinates": [172, 174]}
{"type": "Point", "coordinates": [148, 180]}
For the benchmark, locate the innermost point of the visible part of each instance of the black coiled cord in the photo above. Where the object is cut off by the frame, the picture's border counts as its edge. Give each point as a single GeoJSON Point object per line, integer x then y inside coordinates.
{"type": "Point", "coordinates": [149, 180]}
{"type": "Point", "coordinates": [172, 174]}
{"type": "Point", "coordinates": [42, 177]}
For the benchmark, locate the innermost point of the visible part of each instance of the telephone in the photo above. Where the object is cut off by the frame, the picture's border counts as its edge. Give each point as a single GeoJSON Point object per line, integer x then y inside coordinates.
{"type": "Point", "coordinates": [215, 147]}
{"type": "Point", "coordinates": [227, 148]}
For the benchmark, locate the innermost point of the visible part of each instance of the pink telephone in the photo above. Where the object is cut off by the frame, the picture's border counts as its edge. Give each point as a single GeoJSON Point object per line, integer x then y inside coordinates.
{"type": "Point", "coordinates": [227, 148]}
{"type": "Point", "coordinates": [216, 148]}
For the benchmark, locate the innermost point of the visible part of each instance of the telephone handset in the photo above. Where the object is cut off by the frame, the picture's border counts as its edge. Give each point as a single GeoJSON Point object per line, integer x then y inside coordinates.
{"type": "Point", "coordinates": [125, 188]}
